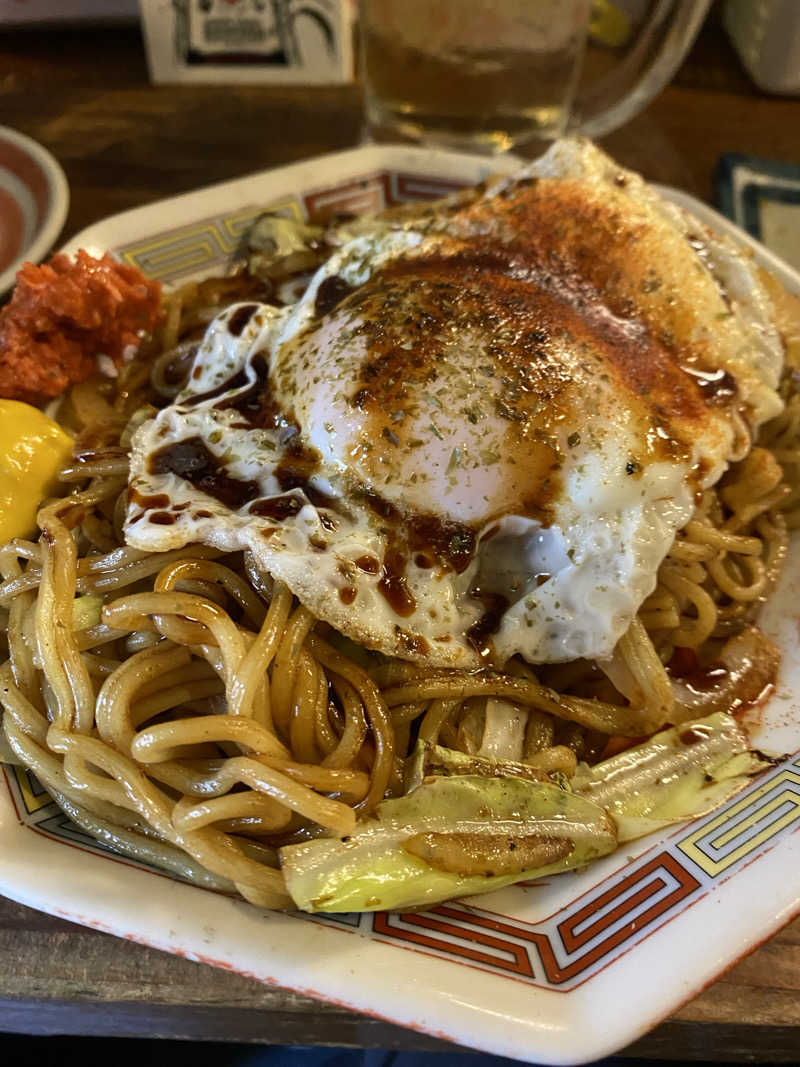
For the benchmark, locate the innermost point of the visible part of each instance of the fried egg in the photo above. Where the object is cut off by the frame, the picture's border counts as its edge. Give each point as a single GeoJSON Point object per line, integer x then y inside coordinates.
{"type": "Point", "coordinates": [478, 431]}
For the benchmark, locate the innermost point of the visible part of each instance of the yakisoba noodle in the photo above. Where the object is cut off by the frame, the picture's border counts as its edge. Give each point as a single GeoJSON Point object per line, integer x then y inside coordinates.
{"type": "Point", "coordinates": [189, 713]}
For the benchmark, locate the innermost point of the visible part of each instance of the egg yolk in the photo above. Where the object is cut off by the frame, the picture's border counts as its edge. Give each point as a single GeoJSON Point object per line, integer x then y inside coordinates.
{"type": "Point", "coordinates": [33, 449]}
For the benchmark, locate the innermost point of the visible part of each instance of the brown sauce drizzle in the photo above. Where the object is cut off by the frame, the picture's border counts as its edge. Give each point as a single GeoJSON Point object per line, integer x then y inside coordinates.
{"type": "Point", "coordinates": [162, 518]}
{"type": "Point", "coordinates": [277, 507]}
{"type": "Point", "coordinates": [156, 500]}
{"type": "Point", "coordinates": [297, 465]}
{"type": "Point", "coordinates": [191, 460]}
{"type": "Point", "coordinates": [393, 584]}
{"type": "Point", "coordinates": [235, 382]}
{"type": "Point", "coordinates": [330, 293]}
{"type": "Point", "coordinates": [255, 404]}
{"type": "Point", "coordinates": [252, 402]}
{"type": "Point", "coordinates": [347, 594]}
{"type": "Point", "coordinates": [452, 544]}
{"type": "Point", "coordinates": [280, 508]}
{"type": "Point", "coordinates": [295, 470]}
{"type": "Point", "coordinates": [259, 408]}
{"type": "Point", "coordinates": [413, 644]}
{"type": "Point", "coordinates": [375, 502]}
{"type": "Point", "coordinates": [240, 318]}
{"type": "Point", "coordinates": [432, 540]}
{"type": "Point", "coordinates": [368, 564]}
{"type": "Point", "coordinates": [494, 607]}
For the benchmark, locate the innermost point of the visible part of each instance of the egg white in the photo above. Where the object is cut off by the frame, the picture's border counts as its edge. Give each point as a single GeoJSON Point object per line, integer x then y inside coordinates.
{"type": "Point", "coordinates": [571, 582]}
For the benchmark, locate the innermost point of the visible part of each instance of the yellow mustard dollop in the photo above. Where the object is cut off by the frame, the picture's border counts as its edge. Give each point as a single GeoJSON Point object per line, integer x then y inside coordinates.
{"type": "Point", "coordinates": [33, 449]}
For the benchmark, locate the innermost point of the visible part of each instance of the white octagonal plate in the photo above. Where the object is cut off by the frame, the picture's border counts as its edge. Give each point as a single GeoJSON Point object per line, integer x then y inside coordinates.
{"type": "Point", "coordinates": [563, 971]}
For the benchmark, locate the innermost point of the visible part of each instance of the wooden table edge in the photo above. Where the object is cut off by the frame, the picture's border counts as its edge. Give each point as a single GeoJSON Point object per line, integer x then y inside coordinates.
{"type": "Point", "coordinates": [46, 1017]}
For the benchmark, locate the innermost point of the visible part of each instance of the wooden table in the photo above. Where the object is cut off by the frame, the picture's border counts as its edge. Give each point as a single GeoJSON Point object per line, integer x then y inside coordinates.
{"type": "Point", "coordinates": [123, 143]}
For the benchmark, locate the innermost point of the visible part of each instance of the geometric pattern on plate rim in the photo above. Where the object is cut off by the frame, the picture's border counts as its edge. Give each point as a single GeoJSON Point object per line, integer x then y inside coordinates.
{"type": "Point", "coordinates": [584, 937]}
{"type": "Point", "coordinates": [178, 255]}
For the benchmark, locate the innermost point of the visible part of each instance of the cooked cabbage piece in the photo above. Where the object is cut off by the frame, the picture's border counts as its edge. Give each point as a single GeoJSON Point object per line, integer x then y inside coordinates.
{"type": "Point", "coordinates": [277, 247]}
{"type": "Point", "coordinates": [470, 824]}
{"type": "Point", "coordinates": [680, 773]}
{"type": "Point", "coordinates": [437, 761]}
{"type": "Point", "coordinates": [449, 837]}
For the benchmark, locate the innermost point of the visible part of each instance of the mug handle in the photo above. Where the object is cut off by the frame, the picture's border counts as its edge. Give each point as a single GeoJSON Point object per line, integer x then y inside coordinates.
{"type": "Point", "coordinates": [660, 45]}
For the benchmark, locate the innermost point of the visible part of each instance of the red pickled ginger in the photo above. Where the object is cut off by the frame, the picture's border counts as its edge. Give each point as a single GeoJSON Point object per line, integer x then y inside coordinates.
{"type": "Point", "coordinates": [65, 313]}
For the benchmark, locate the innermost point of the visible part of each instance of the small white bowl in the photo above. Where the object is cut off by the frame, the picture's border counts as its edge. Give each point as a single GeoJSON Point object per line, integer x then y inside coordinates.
{"type": "Point", "coordinates": [34, 197]}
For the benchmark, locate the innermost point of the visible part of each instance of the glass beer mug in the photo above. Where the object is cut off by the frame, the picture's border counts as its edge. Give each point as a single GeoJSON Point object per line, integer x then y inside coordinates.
{"type": "Point", "coordinates": [491, 75]}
